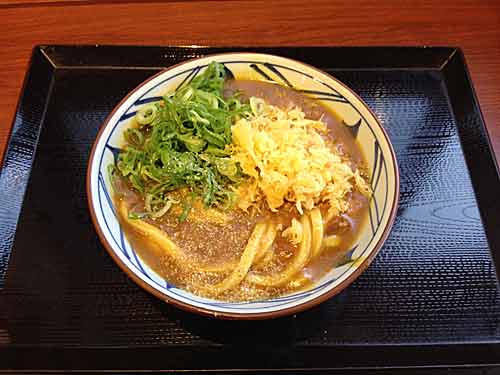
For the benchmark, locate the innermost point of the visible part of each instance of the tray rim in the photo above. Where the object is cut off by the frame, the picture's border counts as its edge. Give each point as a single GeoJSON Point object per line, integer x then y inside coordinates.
{"type": "Point", "coordinates": [482, 149]}
{"type": "Point", "coordinates": [48, 50]}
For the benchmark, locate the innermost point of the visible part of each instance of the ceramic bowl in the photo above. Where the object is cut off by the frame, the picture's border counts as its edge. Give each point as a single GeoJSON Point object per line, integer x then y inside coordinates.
{"type": "Point", "coordinates": [333, 94]}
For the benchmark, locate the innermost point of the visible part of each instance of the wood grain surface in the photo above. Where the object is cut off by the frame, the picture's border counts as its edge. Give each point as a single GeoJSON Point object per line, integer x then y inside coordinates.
{"type": "Point", "coordinates": [473, 26]}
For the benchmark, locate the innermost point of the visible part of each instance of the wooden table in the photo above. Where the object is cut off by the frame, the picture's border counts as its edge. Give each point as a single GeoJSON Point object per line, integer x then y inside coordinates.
{"type": "Point", "coordinates": [472, 25]}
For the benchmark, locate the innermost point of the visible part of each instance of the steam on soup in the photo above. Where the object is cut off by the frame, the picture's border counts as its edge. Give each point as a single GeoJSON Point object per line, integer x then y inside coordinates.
{"type": "Point", "coordinates": [239, 190]}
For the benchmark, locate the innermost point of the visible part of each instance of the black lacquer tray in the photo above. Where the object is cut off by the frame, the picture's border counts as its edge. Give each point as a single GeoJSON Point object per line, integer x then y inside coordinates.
{"type": "Point", "coordinates": [430, 300]}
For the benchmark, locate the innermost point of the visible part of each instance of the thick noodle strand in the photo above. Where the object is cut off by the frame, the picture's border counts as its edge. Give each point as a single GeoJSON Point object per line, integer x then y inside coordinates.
{"type": "Point", "coordinates": [317, 231]}
{"type": "Point", "coordinates": [298, 262]}
{"type": "Point", "coordinates": [299, 281]}
{"type": "Point", "coordinates": [266, 243]}
{"type": "Point", "coordinates": [152, 233]}
{"type": "Point", "coordinates": [266, 259]}
{"type": "Point", "coordinates": [244, 264]}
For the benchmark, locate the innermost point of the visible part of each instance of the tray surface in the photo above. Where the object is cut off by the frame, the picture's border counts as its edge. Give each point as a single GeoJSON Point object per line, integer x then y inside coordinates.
{"type": "Point", "coordinates": [433, 283]}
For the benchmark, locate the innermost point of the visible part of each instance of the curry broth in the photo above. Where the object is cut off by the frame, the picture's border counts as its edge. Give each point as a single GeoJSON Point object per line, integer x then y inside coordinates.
{"type": "Point", "coordinates": [210, 239]}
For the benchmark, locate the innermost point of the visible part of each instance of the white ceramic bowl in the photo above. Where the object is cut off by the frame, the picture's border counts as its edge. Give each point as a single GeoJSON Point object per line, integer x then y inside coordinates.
{"type": "Point", "coordinates": [331, 93]}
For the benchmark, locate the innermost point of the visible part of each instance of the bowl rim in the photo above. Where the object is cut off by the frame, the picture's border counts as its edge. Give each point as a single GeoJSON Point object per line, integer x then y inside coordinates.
{"type": "Point", "coordinates": [244, 315]}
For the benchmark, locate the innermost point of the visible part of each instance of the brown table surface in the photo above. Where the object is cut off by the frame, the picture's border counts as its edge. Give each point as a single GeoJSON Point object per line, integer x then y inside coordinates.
{"type": "Point", "coordinates": [471, 25]}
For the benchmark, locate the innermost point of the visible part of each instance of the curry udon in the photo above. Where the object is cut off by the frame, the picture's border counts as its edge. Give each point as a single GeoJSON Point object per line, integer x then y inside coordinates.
{"type": "Point", "coordinates": [238, 189]}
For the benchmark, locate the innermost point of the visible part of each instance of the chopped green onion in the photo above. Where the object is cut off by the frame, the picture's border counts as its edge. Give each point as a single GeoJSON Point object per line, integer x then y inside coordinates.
{"type": "Point", "coordinates": [216, 151]}
{"type": "Point", "coordinates": [111, 175]}
{"type": "Point", "coordinates": [137, 215]}
{"type": "Point", "coordinates": [162, 211]}
{"type": "Point", "coordinates": [256, 105]}
{"type": "Point", "coordinates": [185, 212]}
{"type": "Point", "coordinates": [146, 114]}
{"type": "Point", "coordinates": [193, 143]}
{"type": "Point", "coordinates": [184, 145]}
{"type": "Point", "coordinates": [226, 167]}
{"type": "Point", "coordinates": [134, 137]}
